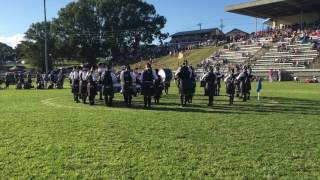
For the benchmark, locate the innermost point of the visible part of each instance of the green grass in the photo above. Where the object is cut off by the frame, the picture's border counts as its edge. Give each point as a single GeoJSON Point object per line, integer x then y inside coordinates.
{"type": "Point", "coordinates": [44, 135]}
{"type": "Point", "coordinates": [194, 57]}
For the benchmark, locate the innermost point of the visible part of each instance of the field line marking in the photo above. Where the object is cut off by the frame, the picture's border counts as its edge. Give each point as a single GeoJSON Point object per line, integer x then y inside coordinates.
{"type": "Point", "coordinates": [49, 102]}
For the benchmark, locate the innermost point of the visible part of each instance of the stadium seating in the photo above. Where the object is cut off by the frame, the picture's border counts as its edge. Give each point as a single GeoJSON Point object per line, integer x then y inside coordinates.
{"type": "Point", "coordinates": [286, 60]}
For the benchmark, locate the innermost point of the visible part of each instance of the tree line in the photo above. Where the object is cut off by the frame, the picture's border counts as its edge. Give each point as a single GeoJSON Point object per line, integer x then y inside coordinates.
{"type": "Point", "coordinates": [86, 30]}
{"type": "Point", "coordinates": [7, 53]}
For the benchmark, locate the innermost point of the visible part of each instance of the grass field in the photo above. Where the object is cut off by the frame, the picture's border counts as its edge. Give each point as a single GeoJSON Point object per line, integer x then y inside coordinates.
{"type": "Point", "coordinates": [44, 135]}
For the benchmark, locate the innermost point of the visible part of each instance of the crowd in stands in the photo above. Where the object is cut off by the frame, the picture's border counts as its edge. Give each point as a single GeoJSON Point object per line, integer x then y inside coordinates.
{"type": "Point", "coordinates": [299, 32]}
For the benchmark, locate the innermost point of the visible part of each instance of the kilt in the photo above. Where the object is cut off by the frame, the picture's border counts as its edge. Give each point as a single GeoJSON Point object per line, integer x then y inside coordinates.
{"type": "Point", "coordinates": [167, 83]}
{"type": "Point", "coordinates": [91, 89]}
{"type": "Point", "coordinates": [210, 89]}
{"type": "Point", "coordinates": [127, 89]}
{"type": "Point", "coordinates": [75, 87]}
{"type": "Point", "coordinates": [244, 87]}
{"type": "Point", "coordinates": [230, 88]}
{"type": "Point", "coordinates": [108, 91]}
{"type": "Point", "coordinates": [83, 88]}
{"type": "Point", "coordinates": [158, 91]}
{"type": "Point", "coordinates": [147, 89]}
{"type": "Point", "coordinates": [185, 88]}
{"type": "Point", "coordinates": [99, 87]}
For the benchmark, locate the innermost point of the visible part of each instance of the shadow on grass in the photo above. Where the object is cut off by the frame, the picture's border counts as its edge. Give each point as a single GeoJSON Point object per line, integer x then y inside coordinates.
{"type": "Point", "coordinates": [280, 105]}
{"type": "Point", "coordinates": [173, 107]}
{"type": "Point", "coordinates": [265, 107]}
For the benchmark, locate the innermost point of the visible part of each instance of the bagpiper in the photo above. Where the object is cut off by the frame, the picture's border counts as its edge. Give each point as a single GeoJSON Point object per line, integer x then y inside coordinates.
{"type": "Point", "coordinates": [107, 80]}
{"type": "Point", "coordinates": [75, 83]}
{"type": "Point", "coordinates": [244, 83]}
{"type": "Point", "coordinates": [210, 85]}
{"type": "Point", "coordinates": [7, 80]}
{"type": "Point", "coordinates": [230, 85]}
{"type": "Point", "coordinates": [183, 76]}
{"type": "Point", "coordinates": [83, 84]}
{"type": "Point", "coordinates": [101, 70]}
{"type": "Point", "coordinates": [158, 88]}
{"type": "Point", "coordinates": [237, 82]}
{"type": "Point", "coordinates": [127, 79]}
{"type": "Point", "coordinates": [91, 86]}
{"type": "Point", "coordinates": [147, 79]}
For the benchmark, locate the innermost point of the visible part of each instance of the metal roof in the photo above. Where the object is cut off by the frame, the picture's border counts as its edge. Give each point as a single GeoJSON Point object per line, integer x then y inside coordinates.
{"type": "Point", "coordinates": [203, 31]}
{"type": "Point", "coordinates": [236, 31]}
{"type": "Point", "coordinates": [274, 8]}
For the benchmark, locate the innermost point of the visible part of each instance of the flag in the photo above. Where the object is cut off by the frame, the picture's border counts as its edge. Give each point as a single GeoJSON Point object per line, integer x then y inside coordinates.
{"type": "Point", "coordinates": [259, 86]}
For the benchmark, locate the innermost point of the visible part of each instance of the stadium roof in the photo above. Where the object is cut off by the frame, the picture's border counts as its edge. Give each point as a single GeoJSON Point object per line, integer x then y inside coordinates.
{"type": "Point", "coordinates": [203, 31]}
{"type": "Point", "coordinates": [274, 8]}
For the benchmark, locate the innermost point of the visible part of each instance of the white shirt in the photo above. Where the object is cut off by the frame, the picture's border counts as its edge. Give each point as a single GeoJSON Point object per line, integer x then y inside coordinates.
{"type": "Point", "coordinates": [83, 75]}
{"type": "Point", "coordinates": [101, 70]}
{"type": "Point", "coordinates": [74, 75]}
{"type": "Point", "coordinates": [71, 75]}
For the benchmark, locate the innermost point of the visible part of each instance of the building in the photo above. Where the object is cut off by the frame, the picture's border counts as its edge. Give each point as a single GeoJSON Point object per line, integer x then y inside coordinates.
{"type": "Point", "coordinates": [280, 12]}
{"type": "Point", "coordinates": [197, 36]}
{"type": "Point", "coordinates": [236, 34]}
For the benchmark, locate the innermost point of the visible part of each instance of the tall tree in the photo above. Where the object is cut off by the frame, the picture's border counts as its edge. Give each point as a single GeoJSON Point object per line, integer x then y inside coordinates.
{"type": "Point", "coordinates": [77, 29]}
{"type": "Point", "coordinates": [32, 47]}
{"type": "Point", "coordinates": [92, 27]}
{"type": "Point", "coordinates": [6, 53]}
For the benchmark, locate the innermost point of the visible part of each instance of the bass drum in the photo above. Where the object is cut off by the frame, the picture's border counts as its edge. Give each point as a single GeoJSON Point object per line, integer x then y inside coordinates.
{"type": "Point", "coordinates": [166, 74]}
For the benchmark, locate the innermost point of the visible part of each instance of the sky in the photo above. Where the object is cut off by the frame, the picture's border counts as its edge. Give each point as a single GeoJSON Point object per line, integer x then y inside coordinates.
{"type": "Point", "coordinates": [182, 15]}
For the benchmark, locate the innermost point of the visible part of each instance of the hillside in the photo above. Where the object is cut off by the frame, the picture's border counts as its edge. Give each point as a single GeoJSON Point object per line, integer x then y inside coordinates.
{"type": "Point", "coordinates": [194, 57]}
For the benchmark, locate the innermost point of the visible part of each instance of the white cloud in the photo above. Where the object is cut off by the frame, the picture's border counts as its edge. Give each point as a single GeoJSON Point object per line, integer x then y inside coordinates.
{"type": "Point", "coordinates": [12, 41]}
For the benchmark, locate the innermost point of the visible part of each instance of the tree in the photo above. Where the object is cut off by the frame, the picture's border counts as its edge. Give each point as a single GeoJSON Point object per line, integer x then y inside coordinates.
{"type": "Point", "coordinates": [86, 30]}
{"type": "Point", "coordinates": [6, 53]}
{"type": "Point", "coordinates": [77, 30]}
{"type": "Point", "coordinates": [32, 48]}
{"type": "Point", "coordinates": [90, 28]}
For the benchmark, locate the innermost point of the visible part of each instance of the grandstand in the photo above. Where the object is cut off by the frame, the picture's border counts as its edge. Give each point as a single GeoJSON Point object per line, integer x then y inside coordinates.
{"type": "Point", "coordinates": [289, 46]}
{"type": "Point", "coordinates": [280, 12]}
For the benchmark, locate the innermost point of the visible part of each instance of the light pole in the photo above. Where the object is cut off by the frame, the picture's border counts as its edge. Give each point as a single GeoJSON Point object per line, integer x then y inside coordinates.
{"type": "Point", "coordinates": [45, 36]}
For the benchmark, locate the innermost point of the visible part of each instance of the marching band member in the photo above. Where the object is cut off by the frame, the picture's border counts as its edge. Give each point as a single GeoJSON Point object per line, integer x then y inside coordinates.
{"type": "Point", "coordinates": [108, 80]}
{"type": "Point", "coordinates": [127, 79]}
{"type": "Point", "coordinates": [147, 78]}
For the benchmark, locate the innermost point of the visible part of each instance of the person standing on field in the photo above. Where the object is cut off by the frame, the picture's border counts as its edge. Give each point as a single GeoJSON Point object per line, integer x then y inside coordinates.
{"type": "Point", "coordinates": [210, 86]}
{"type": "Point", "coordinates": [127, 79]}
{"type": "Point", "coordinates": [108, 80]}
{"type": "Point", "coordinates": [147, 79]}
